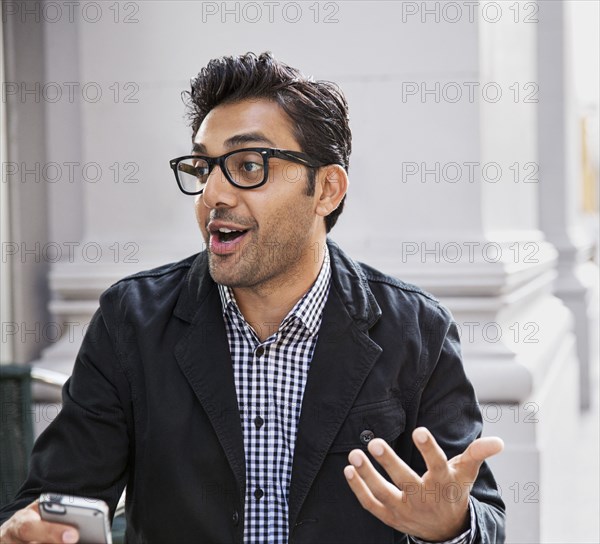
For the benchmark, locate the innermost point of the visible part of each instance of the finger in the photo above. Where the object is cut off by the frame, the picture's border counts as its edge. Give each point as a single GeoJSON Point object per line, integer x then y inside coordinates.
{"type": "Point", "coordinates": [477, 452]}
{"type": "Point", "coordinates": [385, 492]}
{"type": "Point", "coordinates": [434, 456]}
{"type": "Point", "coordinates": [400, 473]}
{"type": "Point", "coordinates": [364, 495]}
{"type": "Point", "coordinates": [28, 526]}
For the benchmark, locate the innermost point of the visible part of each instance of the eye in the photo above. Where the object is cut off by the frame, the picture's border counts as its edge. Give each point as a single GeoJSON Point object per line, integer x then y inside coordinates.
{"type": "Point", "coordinates": [245, 167]}
{"type": "Point", "coordinates": [200, 168]}
{"type": "Point", "coordinates": [251, 166]}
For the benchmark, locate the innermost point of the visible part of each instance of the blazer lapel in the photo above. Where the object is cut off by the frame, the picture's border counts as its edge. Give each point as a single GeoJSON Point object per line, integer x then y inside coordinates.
{"type": "Point", "coordinates": [343, 357]}
{"type": "Point", "coordinates": [204, 358]}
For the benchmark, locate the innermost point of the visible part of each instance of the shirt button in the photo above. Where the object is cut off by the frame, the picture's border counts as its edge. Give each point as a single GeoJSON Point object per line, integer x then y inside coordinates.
{"type": "Point", "coordinates": [260, 351]}
{"type": "Point", "coordinates": [235, 518]}
{"type": "Point", "coordinates": [258, 422]}
{"type": "Point", "coordinates": [258, 493]}
{"type": "Point", "coordinates": [366, 436]}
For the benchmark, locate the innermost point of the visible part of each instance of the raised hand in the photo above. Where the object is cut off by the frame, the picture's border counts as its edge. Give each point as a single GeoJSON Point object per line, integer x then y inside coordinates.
{"type": "Point", "coordinates": [432, 507]}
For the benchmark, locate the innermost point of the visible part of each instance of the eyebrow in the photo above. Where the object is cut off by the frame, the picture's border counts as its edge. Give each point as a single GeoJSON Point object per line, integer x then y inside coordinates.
{"type": "Point", "coordinates": [238, 139]}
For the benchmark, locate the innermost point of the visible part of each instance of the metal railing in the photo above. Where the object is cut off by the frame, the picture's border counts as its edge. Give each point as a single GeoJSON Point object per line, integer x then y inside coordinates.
{"type": "Point", "coordinates": [49, 377]}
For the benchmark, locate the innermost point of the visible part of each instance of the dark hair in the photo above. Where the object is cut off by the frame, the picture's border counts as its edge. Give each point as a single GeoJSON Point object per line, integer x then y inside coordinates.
{"type": "Point", "coordinates": [318, 109]}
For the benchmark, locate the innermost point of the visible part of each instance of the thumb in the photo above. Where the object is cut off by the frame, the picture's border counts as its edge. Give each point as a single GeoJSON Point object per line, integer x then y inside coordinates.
{"type": "Point", "coordinates": [477, 452]}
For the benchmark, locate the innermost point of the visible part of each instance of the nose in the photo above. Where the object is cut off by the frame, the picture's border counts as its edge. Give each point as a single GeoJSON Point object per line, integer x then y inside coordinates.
{"type": "Point", "coordinates": [218, 192]}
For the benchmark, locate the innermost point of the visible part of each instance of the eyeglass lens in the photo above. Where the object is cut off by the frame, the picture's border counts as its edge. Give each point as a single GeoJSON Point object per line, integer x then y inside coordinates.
{"type": "Point", "coordinates": [245, 168]}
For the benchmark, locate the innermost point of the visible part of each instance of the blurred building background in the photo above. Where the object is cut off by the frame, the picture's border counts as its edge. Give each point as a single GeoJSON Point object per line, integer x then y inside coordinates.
{"type": "Point", "coordinates": [474, 174]}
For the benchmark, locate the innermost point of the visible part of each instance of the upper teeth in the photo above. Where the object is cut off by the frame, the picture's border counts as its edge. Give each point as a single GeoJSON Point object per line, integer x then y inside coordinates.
{"type": "Point", "coordinates": [225, 229]}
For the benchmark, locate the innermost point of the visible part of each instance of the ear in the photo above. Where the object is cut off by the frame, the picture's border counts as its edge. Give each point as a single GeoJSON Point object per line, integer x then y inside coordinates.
{"type": "Point", "coordinates": [331, 186]}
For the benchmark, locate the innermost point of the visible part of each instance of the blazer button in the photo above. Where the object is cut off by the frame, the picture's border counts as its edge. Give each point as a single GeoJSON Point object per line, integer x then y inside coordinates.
{"type": "Point", "coordinates": [366, 437]}
{"type": "Point", "coordinates": [235, 518]}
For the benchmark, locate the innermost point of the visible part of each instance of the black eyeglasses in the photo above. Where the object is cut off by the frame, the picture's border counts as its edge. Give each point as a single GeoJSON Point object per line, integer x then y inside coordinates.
{"type": "Point", "coordinates": [246, 168]}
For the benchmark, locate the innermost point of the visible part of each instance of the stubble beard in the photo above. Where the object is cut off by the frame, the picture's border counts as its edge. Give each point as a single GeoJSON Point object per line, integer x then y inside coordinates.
{"type": "Point", "coordinates": [261, 266]}
{"type": "Point", "coordinates": [274, 253]}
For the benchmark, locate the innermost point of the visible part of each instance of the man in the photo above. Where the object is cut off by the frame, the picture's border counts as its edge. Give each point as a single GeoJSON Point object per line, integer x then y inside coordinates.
{"type": "Point", "coordinates": [268, 389]}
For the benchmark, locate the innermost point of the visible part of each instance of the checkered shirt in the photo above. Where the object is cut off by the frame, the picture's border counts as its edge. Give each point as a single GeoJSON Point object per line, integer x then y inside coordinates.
{"type": "Point", "coordinates": [270, 378]}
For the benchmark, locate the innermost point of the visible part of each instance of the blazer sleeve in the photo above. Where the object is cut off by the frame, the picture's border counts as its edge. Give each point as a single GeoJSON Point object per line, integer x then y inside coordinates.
{"type": "Point", "coordinates": [85, 450]}
{"type": "Point", "coordinates": [449, 409]}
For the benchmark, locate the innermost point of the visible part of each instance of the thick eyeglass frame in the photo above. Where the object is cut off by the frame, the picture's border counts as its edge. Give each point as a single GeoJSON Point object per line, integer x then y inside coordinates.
{"type": "Point", "coordinates": [265, 152]}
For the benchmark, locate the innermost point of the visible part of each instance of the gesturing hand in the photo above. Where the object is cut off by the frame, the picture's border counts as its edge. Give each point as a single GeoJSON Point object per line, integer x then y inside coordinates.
{"type": "Point", "coordinates": [431, 507]}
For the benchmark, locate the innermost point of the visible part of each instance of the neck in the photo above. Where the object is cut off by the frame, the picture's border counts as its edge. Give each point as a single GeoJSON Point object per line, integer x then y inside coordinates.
{"type": "Point", "coordinates": [265, 306]}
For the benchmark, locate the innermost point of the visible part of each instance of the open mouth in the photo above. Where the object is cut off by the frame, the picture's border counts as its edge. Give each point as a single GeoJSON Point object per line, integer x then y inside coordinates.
{"type": "Point", "coordinates": [226, 235]}
{"type": "Point", "coordinates": [226, 238]}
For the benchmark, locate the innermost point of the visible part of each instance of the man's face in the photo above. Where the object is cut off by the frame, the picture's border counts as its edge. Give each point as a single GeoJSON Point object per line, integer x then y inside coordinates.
{"type": "Point", "coordinates": [280, 229]}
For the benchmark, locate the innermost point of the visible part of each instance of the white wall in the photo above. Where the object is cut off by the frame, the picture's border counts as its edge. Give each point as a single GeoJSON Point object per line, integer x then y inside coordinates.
{"type": "Point", "coordinates": [157, 56]}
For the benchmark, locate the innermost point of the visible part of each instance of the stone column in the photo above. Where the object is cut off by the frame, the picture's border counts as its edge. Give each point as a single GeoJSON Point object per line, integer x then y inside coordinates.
{"type": "Point", "coordinates": [454, 182]}
{"type": "Point", "coordinates": [24, 288]}
{"type": "Point", "coordinates": [560, 195]}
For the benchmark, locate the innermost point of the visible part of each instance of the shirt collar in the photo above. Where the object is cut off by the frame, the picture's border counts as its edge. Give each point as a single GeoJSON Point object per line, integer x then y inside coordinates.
{"type": "Point", "coordinates": [309, 309]}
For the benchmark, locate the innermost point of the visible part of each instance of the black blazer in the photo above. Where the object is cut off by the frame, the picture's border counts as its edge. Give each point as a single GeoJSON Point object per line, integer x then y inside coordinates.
{"type": "Point", "coordinates": [152, 405]}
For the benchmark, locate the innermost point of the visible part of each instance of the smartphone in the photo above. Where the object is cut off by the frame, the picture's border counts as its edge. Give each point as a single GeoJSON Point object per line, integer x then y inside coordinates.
{"type": "Point", "coordinates": [89, 516]}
